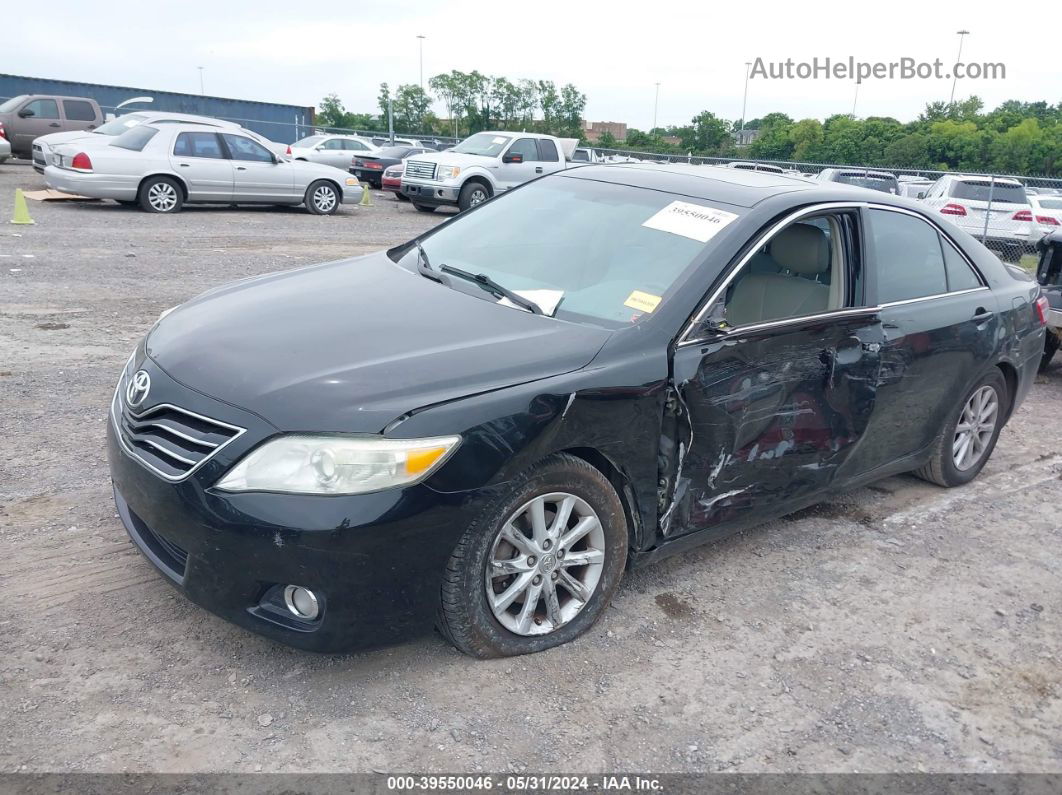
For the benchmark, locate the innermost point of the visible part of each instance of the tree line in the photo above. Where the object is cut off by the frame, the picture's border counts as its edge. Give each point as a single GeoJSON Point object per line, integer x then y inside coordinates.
{"type": "Point", "coordinates": [473, 102]}
{"type": "Point", "coordinates": [1015, 138]}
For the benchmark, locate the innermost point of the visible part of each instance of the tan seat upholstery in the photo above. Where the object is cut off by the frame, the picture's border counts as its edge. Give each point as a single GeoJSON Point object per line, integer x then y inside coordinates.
{"type": "Point", "coordinates": [801, 249]}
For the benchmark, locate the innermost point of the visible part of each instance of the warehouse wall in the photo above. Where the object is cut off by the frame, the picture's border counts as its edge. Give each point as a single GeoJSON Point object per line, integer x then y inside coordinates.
{"type": "Point", "coordinates": [280, 123]}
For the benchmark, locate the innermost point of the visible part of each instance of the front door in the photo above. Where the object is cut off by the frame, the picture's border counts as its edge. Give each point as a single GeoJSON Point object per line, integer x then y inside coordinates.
{"type": "Point", "coordinates": [42, 119]}
{"type": "Point", "coordinates": [779, 393]}
{"type": "Point", "coordinates": [199, 159]}
{"type": "Point", "coordinates": [512, 174]}
{"type": "Point", "coordinates": [257, 176]}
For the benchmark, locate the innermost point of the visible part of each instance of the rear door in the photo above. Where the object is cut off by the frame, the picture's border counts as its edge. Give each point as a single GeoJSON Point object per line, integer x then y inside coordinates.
{"type": "Point", "coordinates": [940, 323]}
{"type": "Point", "coordinates": [200, 160]}
{"type": "Point", "coordinates": [779, 393]}
{"type": "Point", "coordinates": [80, 114]}
{"type": "Point", "coordinates": [550, 158]}
{"type": "Point", "coordinates": [257, 176]}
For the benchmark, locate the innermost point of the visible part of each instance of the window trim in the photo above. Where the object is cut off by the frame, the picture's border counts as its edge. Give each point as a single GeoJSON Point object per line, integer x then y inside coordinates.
{"type": "Point", "coordinates": [54, 100]}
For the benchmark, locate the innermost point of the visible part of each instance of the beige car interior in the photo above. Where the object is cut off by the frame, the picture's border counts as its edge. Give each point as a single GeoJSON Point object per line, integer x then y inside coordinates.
{"type": "Point", "coordinates": [799, 272]}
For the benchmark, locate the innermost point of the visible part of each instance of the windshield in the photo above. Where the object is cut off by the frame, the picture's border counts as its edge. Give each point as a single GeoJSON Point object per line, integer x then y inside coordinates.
{"type": "Point", "coordinates": [1001, 192]}
{"type": "Point", "coordinates": [121, 124]}
{"type": "Point", "coordinates": [486, 144]}
{"type": "Point", "coordinates": [306, 143]}
{"type": "Point", "coordinates": [883, 182]}
{"type": "Point", "coordinates": [583, 243]}
{"type": "Point", "coordinates": [12, 103]}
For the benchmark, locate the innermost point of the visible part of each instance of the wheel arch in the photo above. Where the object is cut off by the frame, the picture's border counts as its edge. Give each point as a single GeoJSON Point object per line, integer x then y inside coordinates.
{"type": "Point", "coordinates": [620, 483]}
{"type": "Point", "coordinates": [1010, 375]}
{"type": "Point", "coordinates": [484, 180]}
{"type": "Point", "coordinates": [183, 185]}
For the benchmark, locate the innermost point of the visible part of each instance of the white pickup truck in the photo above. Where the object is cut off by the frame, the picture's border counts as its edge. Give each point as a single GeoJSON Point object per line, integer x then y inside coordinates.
{"type": "Point", "coordinates": [481, 166]}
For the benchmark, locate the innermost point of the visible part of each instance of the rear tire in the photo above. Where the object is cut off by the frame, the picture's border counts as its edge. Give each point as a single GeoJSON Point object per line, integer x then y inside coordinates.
{"type": "Point", "coordinates": [952, 463]}
{"type": "Point", "coordinates": [424, 208]}
{"type": "Point", "coordinates": [1050, 348]}
{"type": "Point", "coordinates": [472, 193]}
{"type": "Point", "coordinates": [160, 195]}
{"type": "Point", "coordinates": [557, 581]}
{"type": "Point", "coordinates": [322, 198]}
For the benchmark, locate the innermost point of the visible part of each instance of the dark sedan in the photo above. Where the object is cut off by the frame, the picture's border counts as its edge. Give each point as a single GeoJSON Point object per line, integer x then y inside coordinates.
{"type": "Point", "coordinates": [484, 428]}
{"type": "Point", "coordinates": [370, 168]}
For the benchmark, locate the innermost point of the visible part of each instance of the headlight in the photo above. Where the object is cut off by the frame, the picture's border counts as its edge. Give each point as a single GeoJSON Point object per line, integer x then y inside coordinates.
{"type": "Point", "coordinates": [449, 172]}
{"type": "Point", "coordinates": [351, 181]}
{"type": "Point", "coordinates": [338, 464]}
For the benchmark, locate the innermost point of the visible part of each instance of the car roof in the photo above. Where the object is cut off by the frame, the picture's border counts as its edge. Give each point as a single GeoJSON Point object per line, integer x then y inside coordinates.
{"type": "Point", "coordinates": [154, 115]}
{"type": "Point", "coordinates": [519, 134]}
{"type": "Point", "coordinates": [737, 187]}
{"type": "Point", "coordinates": [984, 178]}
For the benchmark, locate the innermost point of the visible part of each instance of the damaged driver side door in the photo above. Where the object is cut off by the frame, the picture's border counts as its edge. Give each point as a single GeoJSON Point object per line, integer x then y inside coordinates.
{"type": "Point", "coordinates": [776, 382]}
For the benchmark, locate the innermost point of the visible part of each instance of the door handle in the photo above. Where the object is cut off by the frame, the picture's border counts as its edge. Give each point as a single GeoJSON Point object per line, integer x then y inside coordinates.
{"type": "Point", "coordinates": [54, 124]}
{"type": "Point", "coordinates": [183, 165]}
{"type": "Point", "coordinates": [241, 168]}
{"type": "Point", "coordinates": [538, 169]}
{"type": "Point", "coordinates": [982, 315]}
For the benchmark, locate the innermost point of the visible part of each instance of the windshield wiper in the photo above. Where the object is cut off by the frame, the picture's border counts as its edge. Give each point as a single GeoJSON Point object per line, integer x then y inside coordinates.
{"type": "Point", "coordinates": [424, 264]}
{"type": "Point", "coordinates": [491, 286]}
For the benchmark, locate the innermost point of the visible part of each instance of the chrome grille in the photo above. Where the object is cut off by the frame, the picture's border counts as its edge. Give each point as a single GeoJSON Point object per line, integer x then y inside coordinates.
{"type": "Point", "coordinates": [170, 441]}
{"type": "Point", "coordinates": [421, 169]}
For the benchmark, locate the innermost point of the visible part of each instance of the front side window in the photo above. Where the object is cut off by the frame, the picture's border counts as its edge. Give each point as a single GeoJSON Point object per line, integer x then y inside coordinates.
{"type": "Point", "coordinates": [800, 271]}
{"type": "Point", "coordinates": [135, 139]}
{"type": "Point", "coordinates": [591, 248]}
{"type": "Point", "coordinates": [43, 109]}
{"type": "Point", "coordinates": [907, 257]}
{"type": "Point", "coordinates": [525, 147]}
{"type": "Point", "coordinates": [245, 149]}
{"type": "Point", "coordinates": [333, 145]}
{"type": "Point", "coordinates": [78, 110]}
{"type": "Point", "coordinates": [198, 144]}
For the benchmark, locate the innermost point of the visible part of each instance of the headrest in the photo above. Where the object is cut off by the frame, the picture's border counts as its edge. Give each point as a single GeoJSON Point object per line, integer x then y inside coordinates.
{"type": "Point", "coordinates": [802, 248]}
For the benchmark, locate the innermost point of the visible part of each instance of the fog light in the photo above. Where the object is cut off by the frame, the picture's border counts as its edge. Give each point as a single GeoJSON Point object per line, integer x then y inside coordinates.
{"type": "Point", "coordinates": [301, 602]}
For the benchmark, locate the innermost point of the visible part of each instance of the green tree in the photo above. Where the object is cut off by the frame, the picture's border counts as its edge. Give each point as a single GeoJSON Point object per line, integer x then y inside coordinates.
{"type": "Point", "coordinates": [806, 138]}
{"type": "Point", "coordinates": [446, 88]}
{"type": "Point", "coordinates": [773, 142]}
{"type": "Point", "coordinates": [549, 102]}
{"type": "Point", "coordinates": [572, 105]}
{"type": "Point", "coordinates": [411, 106]}
{"type": "Point", "coordinates": [331, 113]}
{"type": "Point", "coordinates": [707, 133]}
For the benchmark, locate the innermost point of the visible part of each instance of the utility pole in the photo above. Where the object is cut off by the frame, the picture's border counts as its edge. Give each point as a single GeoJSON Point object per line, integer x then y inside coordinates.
{"type": "Point", "coordinates": [962, 34]}
{"type": "Point", "coordinates": [745, 101]}
{"type": "Point", "coordinates": [859, 82]}
{"type": "Point", "coordinates": [201, 91]}
{"type": "Point", "coordinates": [656, 104]}
{"type": "Point", "coordinates": [421, 42]}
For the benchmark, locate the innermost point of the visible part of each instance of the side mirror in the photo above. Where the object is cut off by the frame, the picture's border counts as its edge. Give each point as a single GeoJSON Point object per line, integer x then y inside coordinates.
{"type": "Point", "coordinates": [513, 157]}
{"type": "Point", "coordinates": [25, 113]}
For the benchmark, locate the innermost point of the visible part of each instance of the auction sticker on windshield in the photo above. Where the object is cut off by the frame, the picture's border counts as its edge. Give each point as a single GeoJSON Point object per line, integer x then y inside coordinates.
{"type": "Point", "coordinates": [690, 220]}
{"type": "Point", "coordinates": [642, 301]}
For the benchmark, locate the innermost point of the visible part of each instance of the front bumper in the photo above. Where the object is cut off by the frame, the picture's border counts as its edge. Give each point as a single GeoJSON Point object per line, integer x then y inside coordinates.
{"type": "Point", "coordinates": [430, 193]}
{"type": "Point", "coordinates": [93, 185]}
{"type": "Point", "coordinates": [375, 561]}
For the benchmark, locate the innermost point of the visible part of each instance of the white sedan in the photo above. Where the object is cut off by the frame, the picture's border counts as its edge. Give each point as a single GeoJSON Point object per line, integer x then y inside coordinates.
{"type": "Point", "coordinates": [161, 167]}
{"type": "Point", "coordinates": [331, 150]}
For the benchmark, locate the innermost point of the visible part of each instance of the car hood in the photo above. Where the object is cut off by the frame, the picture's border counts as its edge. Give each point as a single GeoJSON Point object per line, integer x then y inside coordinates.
{"type": "Point", "coordinates": [455, 159]}
{"type": "Point", "coordinates": [349, 346]}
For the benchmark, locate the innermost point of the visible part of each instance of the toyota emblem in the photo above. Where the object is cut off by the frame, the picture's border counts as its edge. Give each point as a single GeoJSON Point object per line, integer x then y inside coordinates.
{"type": "Point", "coordinates": [138, 388]}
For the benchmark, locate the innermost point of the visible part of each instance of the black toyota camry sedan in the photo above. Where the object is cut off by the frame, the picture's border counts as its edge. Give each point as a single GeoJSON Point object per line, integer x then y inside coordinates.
{"type": "Point", "coordinates": [483, 428]}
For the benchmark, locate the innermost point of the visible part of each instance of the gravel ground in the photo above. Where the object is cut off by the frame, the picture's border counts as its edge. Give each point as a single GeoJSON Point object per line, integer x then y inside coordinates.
{"type": "Point", "coordinates": [900, 627]}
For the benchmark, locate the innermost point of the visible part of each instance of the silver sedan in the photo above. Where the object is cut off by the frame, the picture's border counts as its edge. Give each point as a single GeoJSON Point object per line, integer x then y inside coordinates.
{"type": "Point", "coordinates": [162, 167]}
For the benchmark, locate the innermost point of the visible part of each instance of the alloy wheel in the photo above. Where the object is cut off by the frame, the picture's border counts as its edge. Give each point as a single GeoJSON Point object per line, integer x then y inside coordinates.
{"type": "Point", "coordinates": [162, 196]}
{"type": "Point", "coordinates": [478, 197]}
{"type": "Point", "coordinates": [545, 564]}
{"type": "Point", "coordinates": [976, 425]}
{"type": "Point", "coordinates": [324, 199]}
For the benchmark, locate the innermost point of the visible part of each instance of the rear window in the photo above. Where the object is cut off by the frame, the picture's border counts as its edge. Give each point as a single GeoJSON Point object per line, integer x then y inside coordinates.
{"type": "Point", "coordinates": [135, 139]}
{"type": "Point", "coordinates": [980, 190]}
{"type": "Point", "coordinates": [121, 124]}
{"type": "Point", "coordinates": [1051, 204]}
{"type": "Point", "coordinates": [306, 143]}
{"type": "Point", "coordinates": [883, 183]}
{"type": "Point", "coordinates": [398, 152]}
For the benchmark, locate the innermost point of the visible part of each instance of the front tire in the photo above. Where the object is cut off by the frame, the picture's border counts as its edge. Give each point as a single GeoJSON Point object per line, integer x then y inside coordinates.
{"type": "Point", "coordinates": [322, 198]}
{"type": "Point", "coordinates": [538, 567]}
{"type": "Point", "coordinates": [472, 194]}
{"type": "Point", "coordinates": [970, 433]}
{"type": "Point", "coordinates": [161, 195]}
{"type": "Point", "coordinates": [424, 208]}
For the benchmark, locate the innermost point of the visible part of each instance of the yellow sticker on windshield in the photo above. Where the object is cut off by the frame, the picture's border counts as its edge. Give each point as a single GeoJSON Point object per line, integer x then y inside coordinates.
{"type": "Point", "coordinates": [643, 302]}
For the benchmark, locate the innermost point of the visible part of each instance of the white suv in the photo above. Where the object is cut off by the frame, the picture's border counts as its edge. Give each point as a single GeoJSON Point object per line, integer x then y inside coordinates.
{"type": "Point", "coordinates": [1007, 227]}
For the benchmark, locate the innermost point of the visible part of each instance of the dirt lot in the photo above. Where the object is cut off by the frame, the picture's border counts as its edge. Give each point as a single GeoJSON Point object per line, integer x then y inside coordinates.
{"type": "Point", "coordinates": [901, 627]}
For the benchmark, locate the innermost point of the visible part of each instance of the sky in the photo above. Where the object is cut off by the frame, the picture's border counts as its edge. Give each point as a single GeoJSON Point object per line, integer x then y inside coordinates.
{"type": "Point", "coordinates": [296, 54]}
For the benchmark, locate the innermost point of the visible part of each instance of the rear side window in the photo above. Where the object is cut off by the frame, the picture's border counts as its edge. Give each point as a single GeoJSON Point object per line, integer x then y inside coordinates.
{"type": "Point", "coordinates": [136, 138]}
{"type": "Point", "coordinates": [547, 150]}
{"type": "Point", "coordinates": [960, 275]}
{"type": "Point", "coordinates": [79, 110]}
{"type": "Point", "coordinates": [980, 191]}
{"type": "Point", "coordinates": [198, 144]}
{"type": "Point", "coordinates": [907, 255]}
{"type": "Point", "coordinates": [43, 108]}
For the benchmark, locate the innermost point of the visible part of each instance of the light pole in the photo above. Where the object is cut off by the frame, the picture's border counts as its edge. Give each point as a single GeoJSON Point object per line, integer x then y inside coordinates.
{"type": "Point", "coordinates": [656, 104]}
{"type": "Point", "coordinates": [962, 34]}
{"type": "Point", "coordinates": [421, 42]}
{"type": "Point", "coordinates": [200, 68]}
{"type": "Point", "coordinates": [745, 100]}
{"type": "Point", "coordinates": [855, 99]}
